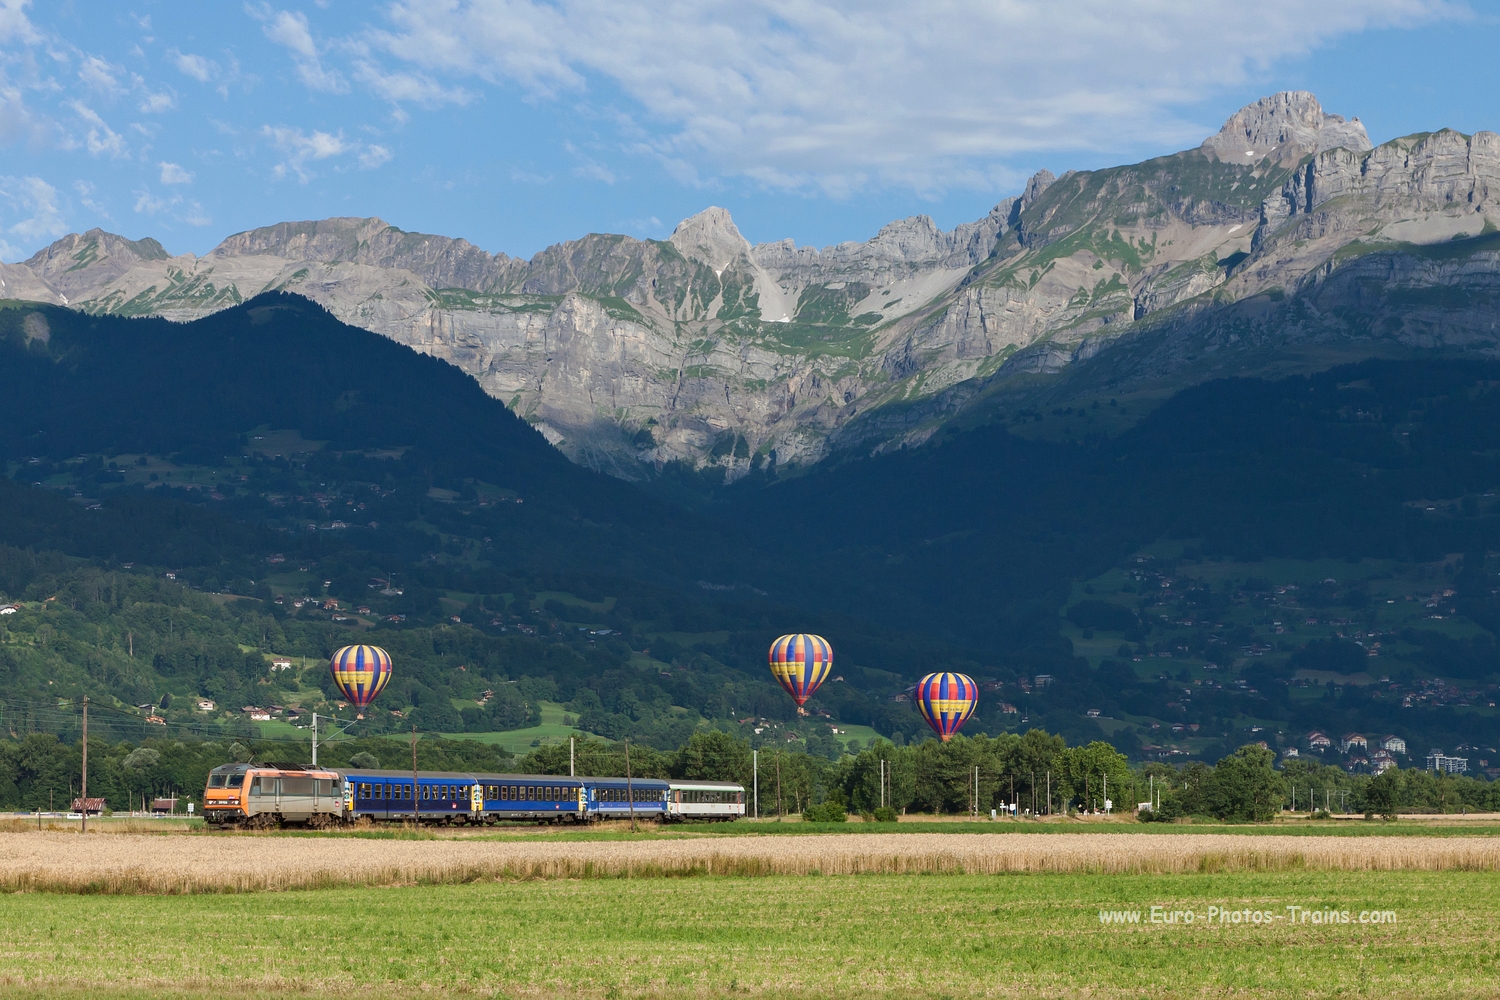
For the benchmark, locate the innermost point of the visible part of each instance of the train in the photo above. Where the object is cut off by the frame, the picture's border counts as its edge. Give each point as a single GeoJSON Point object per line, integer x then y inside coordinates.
{"type": "Point", "coordinates": [263, 796]}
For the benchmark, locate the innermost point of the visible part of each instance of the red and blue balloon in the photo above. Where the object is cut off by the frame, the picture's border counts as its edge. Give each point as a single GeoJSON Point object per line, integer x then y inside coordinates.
{"type": "Point", "coordinates": [946, 700]}
{"type": "Point", "coordinates": [801, 662]}
{"type": "Point", "coordinates": [360, 673]}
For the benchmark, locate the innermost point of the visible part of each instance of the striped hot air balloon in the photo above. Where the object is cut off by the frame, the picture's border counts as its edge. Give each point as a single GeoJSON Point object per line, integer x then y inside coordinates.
{"type": "Point", "coordinates": [800, 663]}
{"type": "Point", "coordinates": [946, 700]}
{"type": "Point", "coordinates": [360, 672]}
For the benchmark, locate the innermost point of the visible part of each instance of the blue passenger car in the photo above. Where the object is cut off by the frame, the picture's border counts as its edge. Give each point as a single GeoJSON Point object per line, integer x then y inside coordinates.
{"type": "Point", "coordinates": [461, 797]}
{"type": "Point", "coordinates": [609, 798]}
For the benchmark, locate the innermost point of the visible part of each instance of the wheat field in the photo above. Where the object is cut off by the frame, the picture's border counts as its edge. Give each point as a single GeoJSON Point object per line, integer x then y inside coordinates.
{"type": "Point", "coordinates": [144, 864]}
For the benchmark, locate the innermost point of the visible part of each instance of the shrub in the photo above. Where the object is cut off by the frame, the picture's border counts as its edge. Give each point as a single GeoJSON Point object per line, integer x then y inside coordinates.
{"type": "Point", "coordinates": [825, 812]}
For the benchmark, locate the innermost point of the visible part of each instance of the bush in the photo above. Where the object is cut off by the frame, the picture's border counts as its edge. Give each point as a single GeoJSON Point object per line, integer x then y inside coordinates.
{"type": "Point", "coordinates": [364, 759]}
{"type": "Point", "coordinates": [826, 812]}
{"type": "Point", "coordinates": [885, 814]}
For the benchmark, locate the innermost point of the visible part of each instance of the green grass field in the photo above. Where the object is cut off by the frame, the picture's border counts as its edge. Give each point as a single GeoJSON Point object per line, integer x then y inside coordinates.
{"type": "Point", "coordinates": [551, 729]}
{"type": "Point", "coordinates": [897, 936]}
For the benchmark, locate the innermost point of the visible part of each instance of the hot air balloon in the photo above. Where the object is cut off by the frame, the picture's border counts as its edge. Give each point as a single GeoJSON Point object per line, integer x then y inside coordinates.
{"type": "Point", "coordinates": [360, 673]}
{"type": "Point", "coordinates": [946, 700]}
{"type": "Point", "coordinates": [800, 663]}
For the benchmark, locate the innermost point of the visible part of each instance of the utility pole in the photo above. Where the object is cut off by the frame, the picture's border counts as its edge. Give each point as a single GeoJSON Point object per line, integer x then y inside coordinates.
{"type": "Point", "coordinates": [315, 739]}
{"type": "Point", "coordinates": [778, 784]}
{"type": "Point", "coordinates": [1049, 793]}
{"type": "Point", "coordinates": [629, 787]}
{"type": "Point", "coordinates": [85, 763]}
{"type": "Point", "coordinates": [416, 793]}
{"type": "Point", "coordinates": [755, 779]}
{"type": "Point", "coordinates": [571, 772]}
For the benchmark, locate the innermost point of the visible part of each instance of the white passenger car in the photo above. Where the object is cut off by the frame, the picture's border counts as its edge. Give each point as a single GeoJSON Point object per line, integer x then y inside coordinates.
{"type": "Point", "coordinates": [711, 800]}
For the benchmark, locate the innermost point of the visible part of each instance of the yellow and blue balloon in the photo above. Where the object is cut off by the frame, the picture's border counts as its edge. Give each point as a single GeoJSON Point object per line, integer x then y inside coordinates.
{"type": "Point", "coordinates": [800, 663]}
{"type": "Point", "coordinates": [946, 701]}
{"type": "Point", "coordinates": [360, 672]}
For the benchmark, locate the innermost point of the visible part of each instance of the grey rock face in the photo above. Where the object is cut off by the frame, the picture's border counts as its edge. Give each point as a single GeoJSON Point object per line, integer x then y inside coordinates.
{"type": "Point", "coordinates": [1287, 125]}
{"type": "Point", "coordinates": [708, 350]}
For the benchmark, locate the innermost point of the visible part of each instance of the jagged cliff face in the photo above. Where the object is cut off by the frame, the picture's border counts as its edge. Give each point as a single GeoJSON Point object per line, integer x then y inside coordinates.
{"type": "Point", "coordinates": [705, 349]}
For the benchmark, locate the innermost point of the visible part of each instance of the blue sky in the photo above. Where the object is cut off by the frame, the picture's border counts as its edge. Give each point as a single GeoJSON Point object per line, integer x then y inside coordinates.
{"type": "Point", "coordinates": [519, 123]}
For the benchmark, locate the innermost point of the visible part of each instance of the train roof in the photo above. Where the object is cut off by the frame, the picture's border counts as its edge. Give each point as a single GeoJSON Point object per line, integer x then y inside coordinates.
{"type": "Point", "coordinates": [372, 772]}
{"type": "Point", "coordinates": [725, 785]}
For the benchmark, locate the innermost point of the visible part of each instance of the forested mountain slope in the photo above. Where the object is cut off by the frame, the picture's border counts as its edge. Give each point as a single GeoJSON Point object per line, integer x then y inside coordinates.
{"type": "Point", "coordinates": [1245, 558]}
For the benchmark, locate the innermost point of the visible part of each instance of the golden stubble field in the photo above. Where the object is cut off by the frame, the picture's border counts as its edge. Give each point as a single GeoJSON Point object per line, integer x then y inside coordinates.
{"type": "Point", "coordinates": [157, 864]}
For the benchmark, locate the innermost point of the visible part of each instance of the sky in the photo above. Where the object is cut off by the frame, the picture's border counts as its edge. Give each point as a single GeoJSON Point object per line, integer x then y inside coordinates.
{"type": "Point", "coordinates": [517, 124]}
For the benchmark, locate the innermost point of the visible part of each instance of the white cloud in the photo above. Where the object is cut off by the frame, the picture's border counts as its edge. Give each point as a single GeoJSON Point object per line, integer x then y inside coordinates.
{"type": "Point", "coordinates": [196, 216]}
{"type": "Point", "coordinates": [301, 148]}
{"type": "Point", "coordinates": [35, 200]}
{"type": "Point", "coordinates": [412, 88]}
{"type": "Point", "coordinates": [148, 204]}
{"type": "Point", "coordinates": [161, 101]}
{"type": "Point", "coordinates": [842, 94]}
{"type": "Point", "coordinates": [15, 26]}
{"type": "Point", "coordinates": [85, 191]}
{"type": "Point", "coordinates": [291, 30]}
{"type": "Point", "coordinates": [97, 74]}
{"type": "Point", "coordinates": [197, 67]}
{"type": "Point", "coordinates": [373, 156]}
{"type": "Point", "coordinates": [171, 173]}
{"type": "Point", "coordinates": [101, 138]}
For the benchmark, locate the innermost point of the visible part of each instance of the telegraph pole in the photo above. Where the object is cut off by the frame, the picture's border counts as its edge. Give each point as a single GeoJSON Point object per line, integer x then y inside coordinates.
{"type": "Point", "coordinates": [778, 784]}
{"type": "Point", "coordinates": [571, 772]}
{"type": "Point", "coordinates": [85, 763]}
{"type": "Point", "coordinates": [416, 793]}
{"type": "Point", "coordinates": [315, 739]}
{"type": "Point", "coordinates": [755, 780]}
{"type": "Point", "coordinates": [629, 787]}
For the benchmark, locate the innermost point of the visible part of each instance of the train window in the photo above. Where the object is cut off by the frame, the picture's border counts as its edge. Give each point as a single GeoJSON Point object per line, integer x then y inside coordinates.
{"type": "Point", "coordinates": [296, 786]}
{"type": "Point", "coordinates": [515, 793]}
{"type": "Point", "coordinates": [406, 791]}
{"type": "Point", "coordinates": [215, 781]}
{"type": "Point", "coordinates": [505, 793]}
{"type": "Point", "coordinates": [364, 789]}
{"type": "Point", "coordinates": [426, 792]}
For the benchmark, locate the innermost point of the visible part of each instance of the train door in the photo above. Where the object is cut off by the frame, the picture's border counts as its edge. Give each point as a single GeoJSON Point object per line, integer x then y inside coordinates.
{"type": "Point", "coordinates": [476, 801]}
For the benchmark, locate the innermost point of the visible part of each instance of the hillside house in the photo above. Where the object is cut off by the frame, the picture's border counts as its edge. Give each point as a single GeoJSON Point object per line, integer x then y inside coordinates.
{"type": "Point", "coordinates": [1318, 741]}
{"type": "Point", "coordinates": [8, 609]}
{"type": "Point", "coordinates": [1350, 741]}
{"type": "Point", "coordinates": [204, 705]}
{"type": "Point", "coordinates": [1042, 680]}
{"type": "Point", "coordinates": [1006, 708]}
{"type": "Point", "coordinates": [281, 663]}
{"type": "Point", "coordinates": [1093, 713]}
{"type": "Point", "coordinates": [1393, 744]}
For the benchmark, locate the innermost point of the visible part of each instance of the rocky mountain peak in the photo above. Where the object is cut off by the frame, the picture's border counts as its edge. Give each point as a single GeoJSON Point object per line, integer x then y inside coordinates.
{"type": "Point", "coordinates": [710, 237]}
{"type": "Point", "coordinates": [323, 240]}
{"type": "Point", "coordinates": [1039, 182]}
{"type": "Point", "coordinates": [1289, 124]}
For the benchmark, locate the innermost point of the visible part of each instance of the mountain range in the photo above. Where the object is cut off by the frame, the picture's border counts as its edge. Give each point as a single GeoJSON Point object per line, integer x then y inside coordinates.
{"type": "Point", "coordinates": [1283, 243]}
